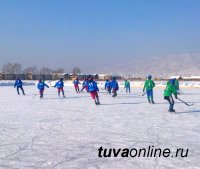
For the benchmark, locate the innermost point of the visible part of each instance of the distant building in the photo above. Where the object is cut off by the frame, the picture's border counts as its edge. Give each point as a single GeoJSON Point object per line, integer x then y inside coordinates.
{"type": "Point", "coordinates": [95, 76]}
{"type": "Point", "coordinates": [185, 78]}
{"type": "Point", "coordinates": [118, 77]}
{"type": "Point", "coordinates": [103, 76]}
{"type": "Point", "coordinates": [1, 76]}
{"type": "Point", "coordinates": [74, 76]}
{"type": "Point", "coordinates": [192, 78]}
{"type": "Point", "coordinates": [66, 76]}
{"type": "Point", "coordinates": [29, 76]}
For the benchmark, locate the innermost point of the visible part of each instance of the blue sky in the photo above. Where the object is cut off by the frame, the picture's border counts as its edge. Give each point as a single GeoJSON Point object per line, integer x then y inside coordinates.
{"type": "Point", "coordinates": [95, 33]}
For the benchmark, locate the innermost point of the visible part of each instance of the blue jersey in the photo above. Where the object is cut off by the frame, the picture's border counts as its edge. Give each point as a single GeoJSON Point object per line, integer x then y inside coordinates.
{"type": "Point", "coordinates": [41, 85]}
{"type": "Point", "coordinates": [18, 83]}
{"type": "Point", "coordinates": [92, 86]}
{"type": "Point", "coordinates": [76, 82]}
{"type": "Point", "coordinates": [108, 84]}
{"type": "Point", "coordinates": [85, 83]}
{"type": "Point", "coordinates": [59, 84]}
{"type": "Point", "coordinates": [114, 85]}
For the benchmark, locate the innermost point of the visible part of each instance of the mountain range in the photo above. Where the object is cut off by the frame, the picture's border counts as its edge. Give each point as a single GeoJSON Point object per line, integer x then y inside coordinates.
{"type": "Point", "coordinates": [186, 64]}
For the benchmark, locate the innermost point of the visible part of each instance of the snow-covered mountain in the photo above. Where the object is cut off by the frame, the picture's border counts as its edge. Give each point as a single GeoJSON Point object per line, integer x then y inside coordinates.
{"type": "Point", "coordinates": [178, 64]}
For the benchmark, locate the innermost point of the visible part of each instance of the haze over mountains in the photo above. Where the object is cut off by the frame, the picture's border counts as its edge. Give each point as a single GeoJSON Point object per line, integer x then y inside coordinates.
{"type": "Point", "coordinates": [178, 64]}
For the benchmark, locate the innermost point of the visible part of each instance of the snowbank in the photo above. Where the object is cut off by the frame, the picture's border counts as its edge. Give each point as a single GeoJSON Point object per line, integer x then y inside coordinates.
{"type": "Point", "coordinates": [11, 83]}
{"type": "Point", "coordinates": [69, 83]}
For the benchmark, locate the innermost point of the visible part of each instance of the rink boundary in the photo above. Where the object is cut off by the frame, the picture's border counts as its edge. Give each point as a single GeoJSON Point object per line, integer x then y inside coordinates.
{"type": "Point", "coordinates": [134, 84]}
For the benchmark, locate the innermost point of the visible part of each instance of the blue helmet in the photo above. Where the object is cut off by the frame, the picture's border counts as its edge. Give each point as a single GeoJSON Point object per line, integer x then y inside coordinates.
{"type": "Point", "coordinates": [172, 81]}
{"type": "Point", "coordinates": [149, 77]}
{"type": "Point", "coordinates": [113, 78]}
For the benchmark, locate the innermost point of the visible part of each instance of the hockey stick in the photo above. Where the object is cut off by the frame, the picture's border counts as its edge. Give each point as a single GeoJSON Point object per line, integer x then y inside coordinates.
{"type": "Point", "coordinates": [187, 104]}
{"type": "Point", "coordinates": [142, 94]}
{"type": "Point", "coordinates": [51, 84]}
{"type": "Point", "coordinates": [180, 91]}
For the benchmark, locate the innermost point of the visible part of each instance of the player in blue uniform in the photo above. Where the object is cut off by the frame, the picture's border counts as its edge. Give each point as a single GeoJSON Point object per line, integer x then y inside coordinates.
{"type": "Point", "coordinates": [76, 85]}
{"type": "Point", "coordinates": [108, 86]}
{"type": "Point", "coordinates": [41, 86]}
{"type": "Point", "coordinates": [19, 84]}
{"type": "Point", "coordinates": [60, 85]}
{"type": "Point", "coordinates": [85, 84]}
{"type": "Point", "coordinates": [115, 87]}
{"type": "Point", "coordinates": [93, 89]}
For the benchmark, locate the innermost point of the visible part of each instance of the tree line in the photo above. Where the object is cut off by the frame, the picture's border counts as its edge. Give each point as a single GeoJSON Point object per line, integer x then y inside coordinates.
{"type": "Point", "coordinates": [16, 68]}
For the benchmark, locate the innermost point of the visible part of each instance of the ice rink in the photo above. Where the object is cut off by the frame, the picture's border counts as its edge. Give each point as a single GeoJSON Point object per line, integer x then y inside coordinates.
{"type": "Point", "coordinates": [65, 133]}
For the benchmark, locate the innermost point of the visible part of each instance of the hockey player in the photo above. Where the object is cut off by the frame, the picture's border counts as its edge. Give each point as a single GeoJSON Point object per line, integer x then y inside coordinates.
{"type": "Point", "coordinates": [18, 84]}
{"type": "Point", "coordinates": [149, 85]}
{"type": "Point", "coordinates": [85, 84]}
{"type": "Point", "coordinates": [127, 86]}
{"type": "Point", "coordinates": [93, 89]}
{"type": "Point", "coordinates": [170, 89]}
{"type": "Point", "coordinates": [60, 85]}
{"type": "Point", "coordinates": [114, 86]}
{"type": "Point", "coordinates": [108, 86]}
{"type": "Point", "coordinates": [41, 85]}
{"type": "Point", "coordinates": [76, 85]}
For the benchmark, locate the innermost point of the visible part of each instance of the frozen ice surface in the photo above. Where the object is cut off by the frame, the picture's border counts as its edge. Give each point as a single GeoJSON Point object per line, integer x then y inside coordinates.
{"type": "Point", "coordinates": [57, 133]}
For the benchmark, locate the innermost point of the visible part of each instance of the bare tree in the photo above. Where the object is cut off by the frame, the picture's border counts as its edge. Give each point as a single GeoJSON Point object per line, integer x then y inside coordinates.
{"type": "Point", "coordinates": [17, 68]}
{"type": "Point", "coordinates": [45, 70]}
{"type": "Point", "coordinates": [76, 70]}
{"type": "Point", "coordinates": [7, 68]}
{"type": "Point", "coordinates": [32, 70]}
{"type": "Point", "coordinates": [12, 68]}
{"type": "Point", "coordinates": [59, 70]}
